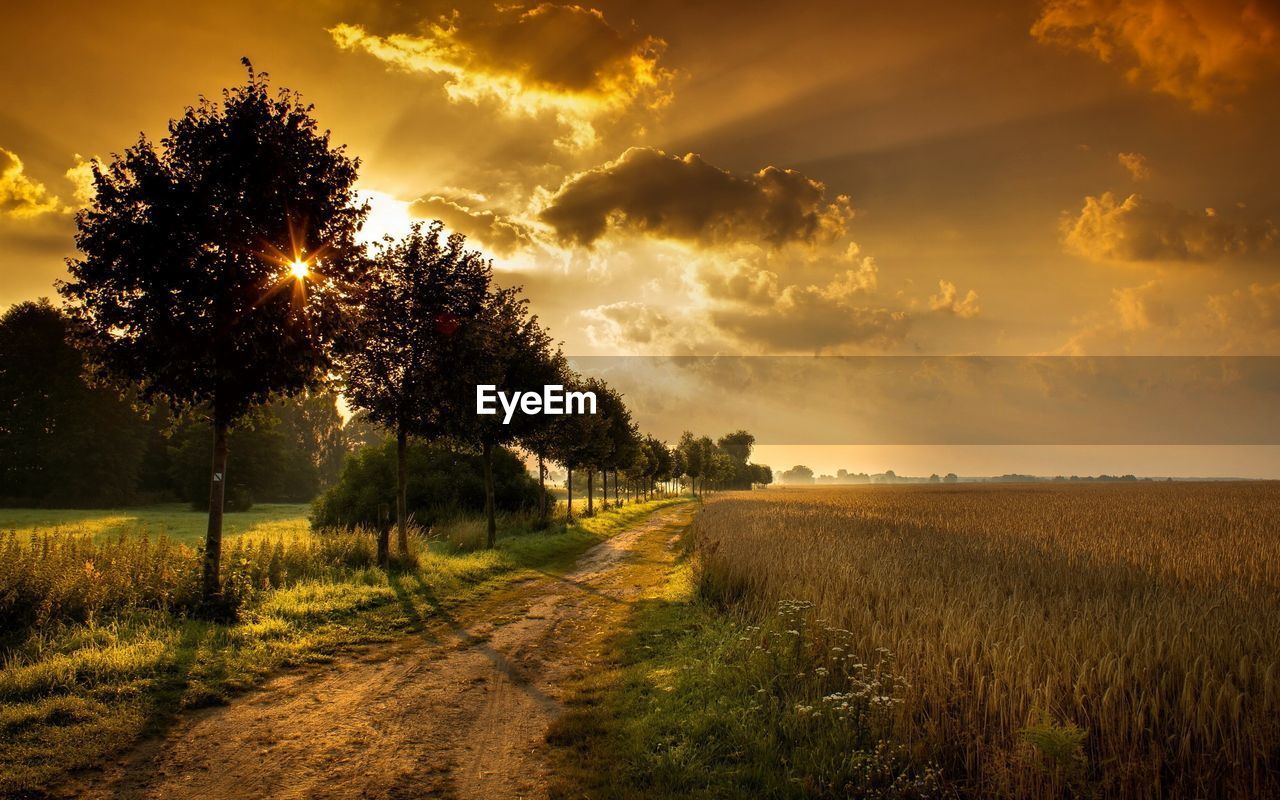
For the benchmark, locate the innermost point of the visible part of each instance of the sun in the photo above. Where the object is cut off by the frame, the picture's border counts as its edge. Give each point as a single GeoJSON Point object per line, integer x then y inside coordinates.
{"type": "Point", "coordinates": [299, 269]}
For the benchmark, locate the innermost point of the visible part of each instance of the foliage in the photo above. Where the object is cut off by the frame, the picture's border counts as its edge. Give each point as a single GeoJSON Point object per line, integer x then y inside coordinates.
{"type": "Point", "coordinates": [419, 294]}
{"type": "Point", "coordinates": [1060, 752]}
{"type": "Point", "coordinates": [49, 413]}
{"type": "Point", "coordinates": [507, 348]}
{"type": "Point", "coordinates": [442, 482]}
{"type": "Point", "coordinates": [184, 289]}
{"type": "Point", "coordinates": [284, 452]}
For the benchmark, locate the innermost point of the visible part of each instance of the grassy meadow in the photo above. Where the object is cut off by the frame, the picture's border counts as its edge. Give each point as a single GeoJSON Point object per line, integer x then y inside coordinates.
{"type": "Point", "coordinates": [175, 521]}
{"type": "Point", "coordinates": [99, 649]}
{"type": "Point", "coordinates": [1045, 641]}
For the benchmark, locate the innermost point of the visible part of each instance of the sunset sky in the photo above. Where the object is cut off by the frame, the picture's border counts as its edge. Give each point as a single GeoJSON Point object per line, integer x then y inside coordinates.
{"type": "Point", "coordinates": [1051, 177]}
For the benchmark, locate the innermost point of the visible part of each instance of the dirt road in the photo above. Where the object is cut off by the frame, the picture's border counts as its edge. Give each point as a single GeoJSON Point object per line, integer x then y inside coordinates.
{"type": "Point", "coordinates": [458, 710]}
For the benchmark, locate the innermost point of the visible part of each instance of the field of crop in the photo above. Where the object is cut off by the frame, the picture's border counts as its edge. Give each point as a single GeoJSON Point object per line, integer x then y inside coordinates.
{"type": "Point", "coordinates": [1082, 640]}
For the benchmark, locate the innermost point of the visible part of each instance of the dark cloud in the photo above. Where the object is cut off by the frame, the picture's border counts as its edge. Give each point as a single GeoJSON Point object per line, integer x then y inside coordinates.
{"type": "Point", "coordinates": [495, 230]}
{"type": "Point", "coordinates": [1137, 229]}
{"type": "Point", "coordinates": [647, 191]}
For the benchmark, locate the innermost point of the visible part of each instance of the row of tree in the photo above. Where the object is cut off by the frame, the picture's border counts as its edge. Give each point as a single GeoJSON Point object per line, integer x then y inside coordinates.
{"type": "Point", "coordinates": [220, 270]}
{"type": "Point", "coordinates": [67, 441]}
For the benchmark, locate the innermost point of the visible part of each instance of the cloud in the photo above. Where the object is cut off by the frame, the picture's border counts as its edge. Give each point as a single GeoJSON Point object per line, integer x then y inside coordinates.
{"type": "Point", "coordinates": [649, 192]}
{"type": "Point", "coordinates": [1137, 229]}
{"type": "Point", "coordinates": [620, 325]}
{"type": "Point", "coordinates": [564, 59]}
{"type": "Point", "coordinates": [82, 181]}
{"type": "Point", "coordinates": [809, 319]}
{"type": "Point", "coordinates": [757, 308]}
{"type": "Point", "coordinates": [1141, 308]}
{"type": "Point", "coordinates": [498, 231]}
{"type": "Point", "coordinates": [1136, 164]}
{"type": "Point", "coordinates": [20, 196]}
{"type": "Point", "coordinates": [948, 301]}
{"type": "Point", "coordinates": [1251, 312]}
{"type": "Point", "coordinates": [1199, 51]}
{"type": "Point", "coordinates": [1163, 317]}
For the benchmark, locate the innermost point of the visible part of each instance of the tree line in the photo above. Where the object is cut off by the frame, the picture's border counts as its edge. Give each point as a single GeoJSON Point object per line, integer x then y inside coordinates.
{"type": "Point", "coordinates": [68, 441]}
{"type": "Point", "coordinates": [219, 271]}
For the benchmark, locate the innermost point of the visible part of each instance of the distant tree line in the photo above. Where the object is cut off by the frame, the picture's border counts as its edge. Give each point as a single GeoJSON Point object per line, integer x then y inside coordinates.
{"type": "Point", "coordinates": [219, 272]}
{"type": "Point", "coordinates": [802, 475]}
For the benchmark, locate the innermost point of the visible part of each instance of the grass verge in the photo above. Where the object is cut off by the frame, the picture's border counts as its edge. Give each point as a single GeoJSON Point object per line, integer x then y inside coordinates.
{"type": "Point", "coordinates": [72, 696]}
{"type": "Point", "coordinates": [687, 701]}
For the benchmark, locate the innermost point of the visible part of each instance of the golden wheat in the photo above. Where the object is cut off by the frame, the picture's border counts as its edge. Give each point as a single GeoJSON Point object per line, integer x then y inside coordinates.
{"type": "Point", "coordinates": [1148, 615]}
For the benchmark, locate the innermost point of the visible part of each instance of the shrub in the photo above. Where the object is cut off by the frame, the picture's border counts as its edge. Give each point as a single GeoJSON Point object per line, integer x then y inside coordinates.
{"type": "Point", "coordinates": [441, 483]}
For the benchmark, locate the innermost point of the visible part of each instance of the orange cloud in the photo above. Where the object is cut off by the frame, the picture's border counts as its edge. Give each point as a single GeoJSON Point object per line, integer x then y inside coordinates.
{"type": "Point", "coordinates": [1199, 51]}
{"type": "Point", "coordinates": [565, 59]}
{"type": "Point", "coordinates": [810, 319]}
{"type": "Point", "coordinates": [948, 301]}
{"type": "Point", "coordinates": [1254, 311]}
{"type": "Point", "coordinates": [1140, 308]}
{"type": "Point", "coordinates": [647, 191]}
{"type": "Point", "coordinates": [755, 306]}
{"type": "Point", "coordinates": [1135, 164]}
{"type": "Point", "coordinates": [1137, 229]}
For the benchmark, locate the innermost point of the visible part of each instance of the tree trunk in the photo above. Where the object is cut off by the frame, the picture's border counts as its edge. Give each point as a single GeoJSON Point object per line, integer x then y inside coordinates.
{"type": "Point", "coordinates": [542, 488]}
{"type": "Point", "coordinates": [569, 490]}
{"type": "Point", "coordinates": [617, 501]}
{"type": "Point", "coordinates": [492, 539]}
{"type": "Point", "coordinates": [402, 480]}
{"type": "Point", "coordinates": [591, 491]}
{"type": "Point", "coordinates": [384, 536]}
{"type": "Point", "coordinates": [212, 585]}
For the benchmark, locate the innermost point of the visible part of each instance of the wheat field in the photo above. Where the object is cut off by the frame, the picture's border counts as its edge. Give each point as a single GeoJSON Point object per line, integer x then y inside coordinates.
{"type": "Point", "coordinates": [1116, 640]}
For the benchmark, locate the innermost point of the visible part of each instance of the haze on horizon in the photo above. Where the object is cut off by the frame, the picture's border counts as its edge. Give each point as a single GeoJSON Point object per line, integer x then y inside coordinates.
{"type": "Point", "coordinates": [1078, 177]}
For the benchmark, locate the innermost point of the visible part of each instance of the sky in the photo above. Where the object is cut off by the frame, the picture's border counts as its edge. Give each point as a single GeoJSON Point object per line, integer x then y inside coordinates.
{"type": "Point", "coordinates": [1050, 178]}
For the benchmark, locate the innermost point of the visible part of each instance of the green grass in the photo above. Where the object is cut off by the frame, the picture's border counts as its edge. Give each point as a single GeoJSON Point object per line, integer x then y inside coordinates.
{"type": "Point", "coordinates": [175, 520]}
{"type": "Point", "coordinates": [74, 695]}
{"type": "Point", "coordinates": [687, 701]}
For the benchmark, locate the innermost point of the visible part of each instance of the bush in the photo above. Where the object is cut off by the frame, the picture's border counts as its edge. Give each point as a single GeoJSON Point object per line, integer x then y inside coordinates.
{"type": "Point", "coordinates": [441, 483]}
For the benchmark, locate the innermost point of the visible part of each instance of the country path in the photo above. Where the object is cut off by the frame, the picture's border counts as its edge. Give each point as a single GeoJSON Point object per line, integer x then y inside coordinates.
{"type": "Point", "coordinates": [459, 709]}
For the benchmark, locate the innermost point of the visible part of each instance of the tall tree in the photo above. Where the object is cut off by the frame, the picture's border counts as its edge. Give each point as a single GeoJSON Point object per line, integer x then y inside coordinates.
{"type": "Point", "coordinates": [576, 439]}
{"type": "Point", "coordinates": [505, 348]}
{"type": "Point", "coordinates": [219, 267]}
{"type": "Point", "coordinates": [419, 295]}
{"type": "Point", "coordinates": [694, 462]}
{"type": "Point", "coordinates": [539, 436]}
{"type": "Point", "coordinates": [622, 439]}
